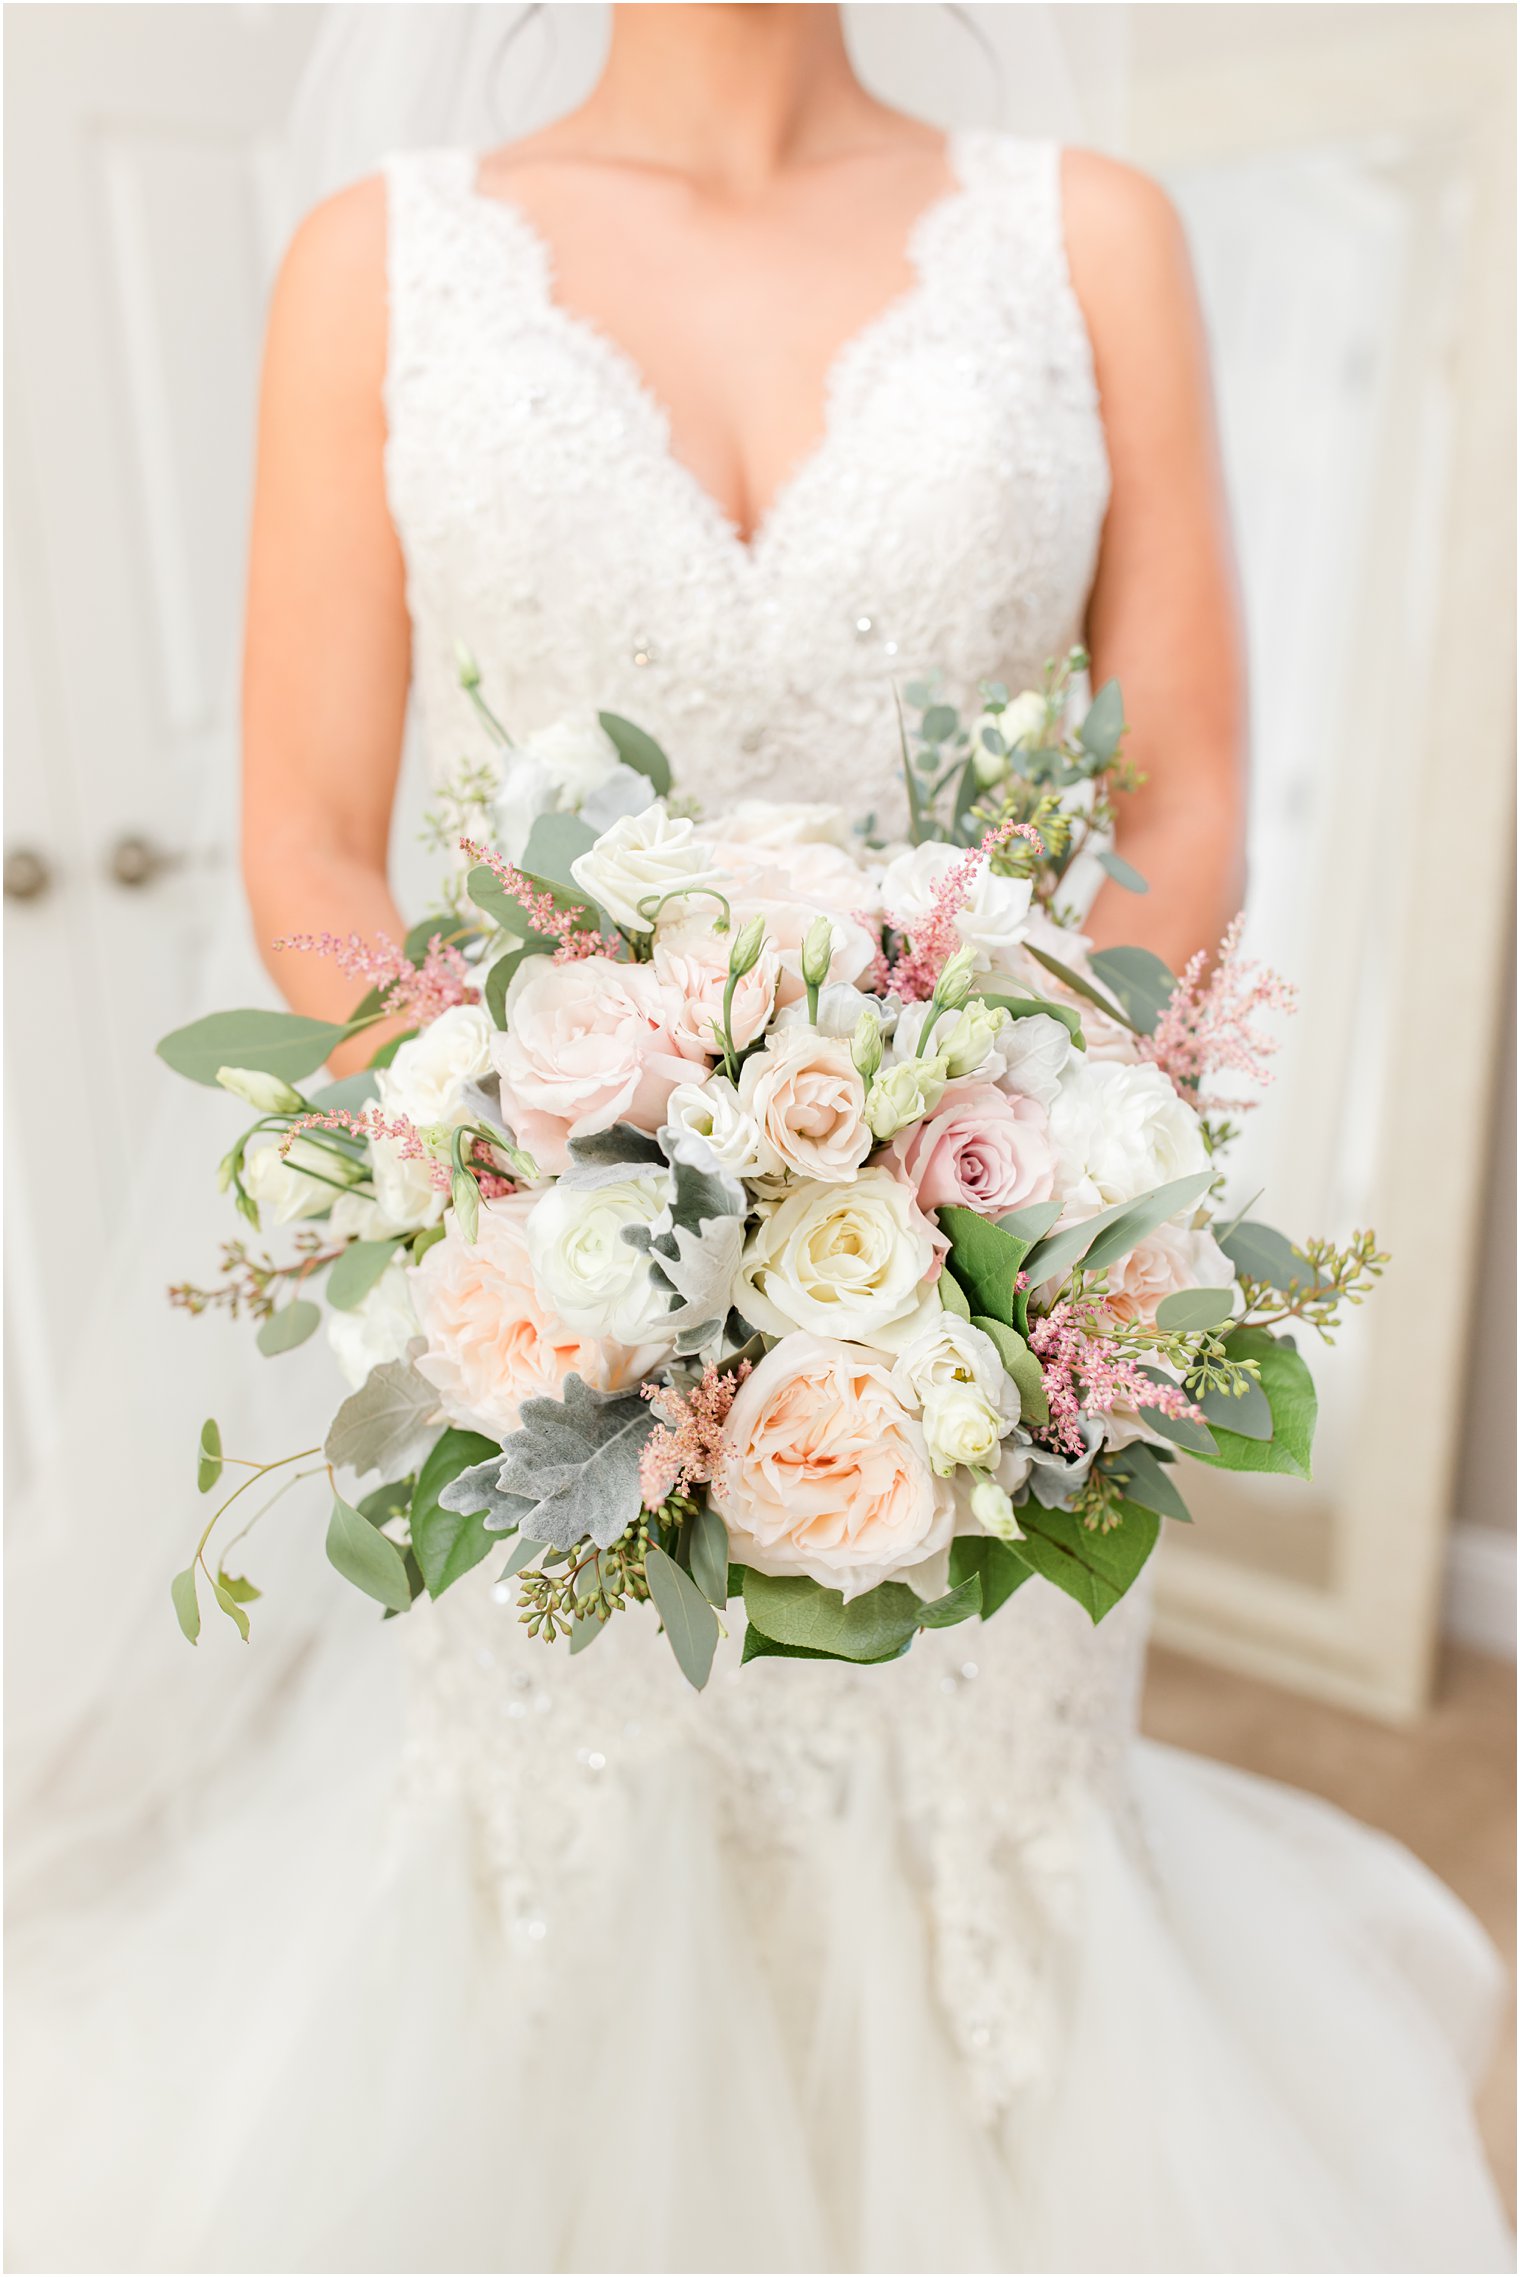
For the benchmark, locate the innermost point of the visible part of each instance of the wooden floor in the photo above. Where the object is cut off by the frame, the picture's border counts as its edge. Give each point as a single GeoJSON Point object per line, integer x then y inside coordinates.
{"type": "Point", "coordinates": [1447, 1789]}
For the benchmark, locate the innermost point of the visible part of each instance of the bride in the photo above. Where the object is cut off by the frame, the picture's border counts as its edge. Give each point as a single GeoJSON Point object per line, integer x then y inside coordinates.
{"type": "Point", "coordinates": [724, 402]}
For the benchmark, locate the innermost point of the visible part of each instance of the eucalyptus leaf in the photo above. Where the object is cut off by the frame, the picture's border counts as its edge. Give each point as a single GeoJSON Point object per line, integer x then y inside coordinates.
{"type": "Point", "coordinates": [239, 1587]}
{"type": "Point", "coordinates": [1263, 1254]}
{"type": "Point", "coordinates": [690, 1622]}
{"type": "Point", "coordinates": [232, 1608]}
{"type": "Point", "coordinates": [500, 976]}
{"type": "Point", "coordinates": [1075, 981]}
{"type": "Point", "coordinates": [708, 1549]}
{"type": "Point", "coordinates": [638, 750]}
{"type": "Point", "coordinates": [554, 842]}
{"type": "Point", "coordinates": [1247, 1412]}
{"type": "Point", "coordinates": [525, 1552]}
{"type": "Point", "coordinates": [1289, 1391]}
{"type": "Point", "coordinates": [208, 1469]}
{"type": "Point", "coordinates": [1192, 1438]}
{"type": "Point", "coordinates": [1094, 1567]}
{"type": "Point", "coordinates": [1100, 732]}
{"type": "Point", "coordinates": [448, 1542]}
{"type": "Point", "coordinates": [350, 1093]}
{"type": "Point", "coordinates": [367, 1558]}
{"type": "Point", "coordinates": [355, 1273]}
{"type": "Point", "coordinates": [1027, 1007]}
{"type": "Point", "coordinates": [273, 1043]}
{"type": "Point", "coordinates": [584, 1632]}
{"type": "Point", "coordinates": [1143, 1478]}
{"type": "Point", "coordinates": [1142, 983]}
{"type": "Point", "coordinates": [382, 1503]}
{"type": "Point", "coordinates": [1032, 1223]}
{"type": "Point", "coordinates": [1112, 1233]}
{"type": "Point", "coordinates": [290, 1326]}
{"type": "Point", "coordinates": [388, 1424]}
{"type": "Point", "coordinates": [187, 1609]}
{"type": "Point", "coordinates": [1123, 873]}
{"type": "Point", "coordinates": [1194, 1310]}
{"type": "Point", "coordinates": [576, 1460]}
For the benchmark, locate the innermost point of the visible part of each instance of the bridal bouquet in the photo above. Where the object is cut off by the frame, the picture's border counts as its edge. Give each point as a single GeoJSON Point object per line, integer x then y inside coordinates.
{"type": "Point", "coordinates": [753, 1210]}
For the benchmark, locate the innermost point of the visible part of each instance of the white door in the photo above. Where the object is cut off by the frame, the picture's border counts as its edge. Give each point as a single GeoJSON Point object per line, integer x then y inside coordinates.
{"type": "Point", "coordinates": [142, 220]}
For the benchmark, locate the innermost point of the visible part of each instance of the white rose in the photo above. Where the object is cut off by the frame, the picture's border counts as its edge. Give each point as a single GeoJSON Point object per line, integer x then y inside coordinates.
{"type": "Point", "coordinates": [1036, 1052]}
{"type": "Point", "coordinates": [713, 1112]}
{"type": "Point", "coordinates": [585, 1272]}
{"type": "Point", "coordinates": [298, 1184]}
{"type": "Point", "coordinates": [854, 1262]}
{"type": "Point", "coordinates": [953, 1373]}
{"type": "Point", "coordinates": [640, 859]}
{"type": "Point", "coordinates": [994, 917]}
{"type": "Point", "coordinates": [427, 1079]}
{"type": "Point", "coordinates": [1118, 1132]}
{"type": "Point", "coordinates": [378, 1329]}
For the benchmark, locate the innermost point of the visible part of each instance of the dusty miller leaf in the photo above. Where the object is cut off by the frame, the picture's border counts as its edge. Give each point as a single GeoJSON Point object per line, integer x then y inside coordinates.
{"type": "Point", "coordinates": [576, 1462]}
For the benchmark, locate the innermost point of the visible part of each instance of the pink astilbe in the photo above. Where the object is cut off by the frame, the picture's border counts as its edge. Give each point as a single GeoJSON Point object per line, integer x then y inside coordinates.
{"type": "Point", "coordinates": [1206, 1027]}
{"type": "Point", "coordinates": [1085, 1372]}
{"type": "Point", "coordinates": [913, 974]}
{"type": "Point", "coordinates": [686, 1447]}
{"type": "Point", "coordinates": [416, 993]}
{"type": "Point", "coordinates": [370, 1123]}
{"type": "Point", "coordinates": [541, 909]}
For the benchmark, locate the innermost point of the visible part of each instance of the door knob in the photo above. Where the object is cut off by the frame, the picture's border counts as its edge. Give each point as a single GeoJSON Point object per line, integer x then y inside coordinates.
{"type": "Point", "coordinates": [27, 875]}
{"type": "Point", "coordinates": [134, 861]}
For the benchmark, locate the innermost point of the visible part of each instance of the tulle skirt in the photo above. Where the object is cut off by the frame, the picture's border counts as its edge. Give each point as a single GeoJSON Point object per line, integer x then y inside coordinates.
{"type": "Point", "coordinates": [304, 2044]}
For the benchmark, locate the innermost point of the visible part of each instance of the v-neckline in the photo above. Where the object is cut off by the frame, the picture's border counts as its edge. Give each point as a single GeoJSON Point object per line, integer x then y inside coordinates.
{"type": "Point", "coordinates": [624, 370]}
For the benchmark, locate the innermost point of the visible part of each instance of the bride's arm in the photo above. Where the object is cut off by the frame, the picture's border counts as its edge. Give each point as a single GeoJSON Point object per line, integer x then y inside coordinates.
{"type": "Point", "coordinates": [327, 655]}
{"type": "Point", "coordinates": [1164, 615]}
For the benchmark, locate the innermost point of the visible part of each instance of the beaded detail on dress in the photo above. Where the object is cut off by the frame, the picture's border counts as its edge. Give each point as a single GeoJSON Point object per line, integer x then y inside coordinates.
{"type": "Point", "coordinates": [949, 517]}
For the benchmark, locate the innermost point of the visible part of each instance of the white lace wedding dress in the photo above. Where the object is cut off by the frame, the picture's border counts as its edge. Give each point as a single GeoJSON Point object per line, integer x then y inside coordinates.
{"type": "Point", "coordinates": [924, 1967]}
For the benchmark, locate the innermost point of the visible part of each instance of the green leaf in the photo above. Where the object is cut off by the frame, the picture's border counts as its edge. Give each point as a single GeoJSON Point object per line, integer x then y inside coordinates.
{"type": "Point", "coordinates": [997, 1565]}
{"type": "Point", "coordinates": [187, 1610]}
{"type": "Point", "coordinates": [1142, 983]}
{"type": "Point", "coordinates": [1196, 1309]}
{"type": "Point", "coordinates": [367, 1558]}
{"type": "Point", "coordinates": [387, 1424]}
{"type": "Point", "coordinates": [288, 1327]}
{"type": "Point", "coordinates": [961, 1603]}
{"type": "Point", "coordinates": [690, 1622]}
{"type": "Point", "coordinates": [796, 1610]}
{"type": "Point", "coordinates": [393, 1500]}
{"type": "Point", "coordinates": [1095, 1568]}
{"type": "Point", "coordinates": [1123, 873]}
{"type": "Point", "coordinates": [355, 1273]}
{"type": "Point", "coordinates": [939, 723]}
{"type": "Point", "coordinates": [1032, 1223]}
{"type": "Point", "coordinates": [553, 844]}
{"type": "Point", "coordinates": [952, 1296]}
{"type": "Point", "coordinates": [239, 1587]}
{"type": "Point", "coordinates": [1025, 1008]}
{"type": "Point", "coordinates": [500, 976]}
{"type": "Point", "coordinates": [209, 1468]}
{"type": "Point", "coordinates": [1022, 1365]}
{"type": "Point", "coordinates": [490, 896]}
{"type": "Point", "coordinates": [758, 1646]}
{"type": "Point", "coordinates": [583, 1633]}
{"type": "Point", "coordinates": [274, 1043]}
{"type": "Point", "coordinates": [1145, 1479]}
{"type": "Point", "coordinates": [231, 1608]}
{"type": "Point", "coordinates": [638, 750]}
{"type": "Point", "coordinates": [1248, 1412]}
{"type": "Point", "coordinates": [708, 1547]}
{"type": "Point", "coordinates": [1075, 981]}
{"type": "Point", "coordinates": [525, 1552]}
{"type": "Point", "coordinates": [447, 1544]}
{"type": "Point", "coordinates": [1192, 1438]}
{"type": "Point", "coordinates": [1264, 1254]}
{"type": "Point", "coordinates": [384, 1053]}
{"type": "Point", "coordinates": [350, 1091]}
{"type": "Point", "coordinates": [985, 1260]}
{"type": "Point", "coordinates": [1112, 1233]}
{"type": "Point", "coordinates": [1289, 1391]}
{"type": "Point", "coordinates": [1100, 732]}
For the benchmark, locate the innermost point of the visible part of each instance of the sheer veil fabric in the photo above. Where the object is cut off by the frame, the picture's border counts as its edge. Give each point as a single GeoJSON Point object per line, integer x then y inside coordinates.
{"type": "Point", "coordinates": [925, 1968]}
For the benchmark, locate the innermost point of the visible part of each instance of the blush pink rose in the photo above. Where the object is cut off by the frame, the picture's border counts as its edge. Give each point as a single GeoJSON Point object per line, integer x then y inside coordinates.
{"type": "Point", "coordinates": [587, 1045]}
{"type": "Point", "coordinates": [809, 1103]}
{"type": "Point", "coordinates": [982, 1149]}
{"type": "Point", "coordinates": [491, 1341]}
{"type": "Point", "coordinates": [826, 1472]}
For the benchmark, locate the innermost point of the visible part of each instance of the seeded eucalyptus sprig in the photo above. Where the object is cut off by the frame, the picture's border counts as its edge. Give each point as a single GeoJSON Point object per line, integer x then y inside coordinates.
{"type": "Point", "coordinates": [584, 1584]}
{"type": "Point", "coordinates": [1332, 1277]}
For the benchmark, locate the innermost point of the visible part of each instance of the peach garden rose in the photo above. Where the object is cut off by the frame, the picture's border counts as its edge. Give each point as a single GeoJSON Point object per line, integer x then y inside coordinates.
{"type": "Point", "coordinates": [827, 1473]}
{"type": "Point", "coordinates": [586, 1045]}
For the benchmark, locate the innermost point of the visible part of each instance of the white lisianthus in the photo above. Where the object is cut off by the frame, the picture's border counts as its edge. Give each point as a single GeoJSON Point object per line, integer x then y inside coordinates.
{"type": "Point", "coordinates": [903, 1094]}
{"type": "Point", "coordinates": [1036, 1052]}
{"type": "Point", "coordinates": [714, 1113]}
{"type": "Point", "coordinates": [995, 914]}
{"type": "Point", "coordinates": [299, 1184]}
{"type": "Point", "coordinates": [379, 1328]}
{"type": "Point", "coordinates": [405, 1193]}
{"type": "Point", "coordinates": [970, 1041]}
{"type": "Point", "coordinates": [554, 769]}
{"type": "Point", "coordinates": [840, 1005]}
{"type": "Point", "coordinates": [1119, 1131]}
{"type": "Point", "coordinates": [640, 859]}
{"type": "Point", "coordinates": [355, 1217]}
{"type": "Point", "coordinates": [853, 1262]}
{"type": "Point", "coordinates": [1022, 723]}
{"type": "Point", "coordinates": [427, 1079]}
{"type": "Point", "coordinates": [585, 1272]}
{"type": "Point", "coordinates": [952, 1372]}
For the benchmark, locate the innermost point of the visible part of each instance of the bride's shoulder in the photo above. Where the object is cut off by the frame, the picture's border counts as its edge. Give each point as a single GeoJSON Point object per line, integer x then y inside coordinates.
{"type": "Point", "coordinates": [1125, 245]}
{"type": "Point", "coordinates": [329, 301]}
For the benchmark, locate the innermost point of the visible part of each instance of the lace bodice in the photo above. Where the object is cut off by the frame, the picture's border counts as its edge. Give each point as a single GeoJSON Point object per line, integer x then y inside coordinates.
{"type": "Point", "coordinates": [947, 517]}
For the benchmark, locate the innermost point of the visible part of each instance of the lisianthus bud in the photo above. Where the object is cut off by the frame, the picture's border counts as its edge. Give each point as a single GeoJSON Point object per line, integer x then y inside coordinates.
{"type": "Point", "coordinates": [817, 952]}
{"type": "Point", "coordinates": [989, 751]}
{"type": "Point", "coordinates": [993, 1511]}
{"type": "Point", "coordinates": [965, 1043]}
{"type": "Point", "coordinates": [748, 942]}
{"type": "Point", "coordinates": [865, 1045]}
{"type": "Point", "coordinates": [226, 1170]}
{"type": "Point", "coordinates": [1025, 721]}
{"type": "Point", "coordinates": [904, 1094]}
{"type": "Point", "coordinates": [271, 1094]}
{"type": "Point", "coordinates": [469, 670]}
{"type": "Point", "coordinates": [954, 984]}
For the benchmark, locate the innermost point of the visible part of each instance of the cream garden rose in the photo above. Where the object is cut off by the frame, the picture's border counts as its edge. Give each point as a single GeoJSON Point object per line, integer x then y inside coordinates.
{"type": "Point", "coordinates": [855, 1262]}
{"type": "Point", "coordinates": [827, 1472]}
{"type": "Point", "coordinates": [1119, 1131]}
{"type": "Point", "coordinates": [640, 860]}
{"type": "Point", "coordinates": [587, 1044]}
{"type": "Point", "coordinates": [492, 1342]}
{"type": "Point", "coordinates": [585, 1272]}
{"type": "Point", "coordinates": [807, 1100]}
